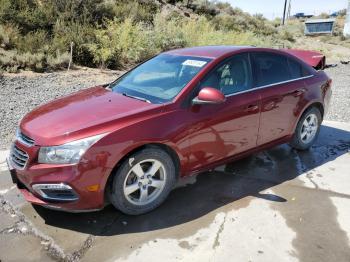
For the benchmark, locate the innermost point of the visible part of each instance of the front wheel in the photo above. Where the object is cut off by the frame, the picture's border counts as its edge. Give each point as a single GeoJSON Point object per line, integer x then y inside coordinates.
{"type": "Point", "coordinates": [307, 129]}
{"type": "Point", "coordinates": [143, 181]}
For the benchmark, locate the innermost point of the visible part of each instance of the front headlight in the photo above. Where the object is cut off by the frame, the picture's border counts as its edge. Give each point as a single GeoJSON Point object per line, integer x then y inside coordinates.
{"type": "Point", "coordinates": [69, 153]}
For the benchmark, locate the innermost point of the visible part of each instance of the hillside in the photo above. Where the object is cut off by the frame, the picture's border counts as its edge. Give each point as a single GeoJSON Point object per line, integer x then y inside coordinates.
{"type": "Point", "coordinates": [37, 34]}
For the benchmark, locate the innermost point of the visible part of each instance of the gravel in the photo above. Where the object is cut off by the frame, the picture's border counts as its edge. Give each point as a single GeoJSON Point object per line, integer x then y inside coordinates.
{"type": "Point", "coordinates": [340, 103]}
{"type": "Point", "coordinates": [20, 93]}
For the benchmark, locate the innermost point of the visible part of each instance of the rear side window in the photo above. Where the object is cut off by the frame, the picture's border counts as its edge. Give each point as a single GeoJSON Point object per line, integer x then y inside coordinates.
{"type": "Point", "coordinates": [270, 68]}
{"type": "Point", "coordinates": [297, 70]}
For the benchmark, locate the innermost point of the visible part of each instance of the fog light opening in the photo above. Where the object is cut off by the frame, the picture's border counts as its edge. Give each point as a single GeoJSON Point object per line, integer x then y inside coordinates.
{"type": "Point", "coordinates": [56, 192]}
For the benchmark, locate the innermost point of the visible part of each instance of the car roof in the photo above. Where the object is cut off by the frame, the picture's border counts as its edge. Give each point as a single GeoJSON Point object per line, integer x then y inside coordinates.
{"type": "Point", "coordinates": [218, 51]}
{"type": "Point", "coordinates": [208, 51]}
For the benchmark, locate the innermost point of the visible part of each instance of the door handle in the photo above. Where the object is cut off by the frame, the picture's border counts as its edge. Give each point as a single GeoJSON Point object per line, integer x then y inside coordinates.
{"type": "Point", "coordinates": [298, 92]}
{"type": "Point", "coordinates": [269, 106]}
{"type": "Point", "coordinates": [251, 108]}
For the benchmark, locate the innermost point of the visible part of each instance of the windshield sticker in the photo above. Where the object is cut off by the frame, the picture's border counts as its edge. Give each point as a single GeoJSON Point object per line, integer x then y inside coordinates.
{"type": "Point", "coordinates": [196, 63]}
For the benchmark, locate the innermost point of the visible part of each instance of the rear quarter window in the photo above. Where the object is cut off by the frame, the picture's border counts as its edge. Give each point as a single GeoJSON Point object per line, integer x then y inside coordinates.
{"type": "Point", "coordinates": [297, 70]}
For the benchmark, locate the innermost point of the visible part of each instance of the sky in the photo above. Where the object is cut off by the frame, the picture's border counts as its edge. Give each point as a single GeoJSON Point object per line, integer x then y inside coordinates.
{"type": "Point", "coordinates": [274, 8]}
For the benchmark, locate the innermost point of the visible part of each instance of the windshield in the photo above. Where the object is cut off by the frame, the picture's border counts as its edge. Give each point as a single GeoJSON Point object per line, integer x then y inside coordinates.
{"type": "Point", "coordinates": [159, 79]}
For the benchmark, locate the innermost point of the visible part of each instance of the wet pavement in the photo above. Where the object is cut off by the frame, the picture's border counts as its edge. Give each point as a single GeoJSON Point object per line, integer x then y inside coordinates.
{"type": "Point", "coordinates": [277, 205]}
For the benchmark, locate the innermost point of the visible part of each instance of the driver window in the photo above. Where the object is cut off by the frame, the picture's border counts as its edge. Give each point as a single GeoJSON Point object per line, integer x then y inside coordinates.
{"type": "Point", "coordinates": [231, 77]}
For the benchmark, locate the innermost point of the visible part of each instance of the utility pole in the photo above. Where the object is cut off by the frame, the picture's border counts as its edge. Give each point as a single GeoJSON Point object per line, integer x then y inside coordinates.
{"type": "Point", "coordinates": [346, 31]}
{"type": "Point", "coordinates": [284, 12]}
{"type": "Point", "coordinates": [289, 9]}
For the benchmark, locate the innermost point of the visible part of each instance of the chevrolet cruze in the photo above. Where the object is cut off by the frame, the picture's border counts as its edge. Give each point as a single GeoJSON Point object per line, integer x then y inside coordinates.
{"type": "Point", "coordinates": [179, 113]}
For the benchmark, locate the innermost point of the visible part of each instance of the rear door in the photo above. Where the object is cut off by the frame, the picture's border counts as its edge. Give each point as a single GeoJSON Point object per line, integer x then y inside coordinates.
{"type": "Point", "coordinates": [220, 131]}
{"type": "Point", "coordinates": [280, 81]}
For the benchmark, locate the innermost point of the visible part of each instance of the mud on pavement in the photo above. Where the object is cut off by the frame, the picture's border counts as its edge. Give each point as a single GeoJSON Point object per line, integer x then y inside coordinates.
{"type": "Point", "coordinates": [277, 205]}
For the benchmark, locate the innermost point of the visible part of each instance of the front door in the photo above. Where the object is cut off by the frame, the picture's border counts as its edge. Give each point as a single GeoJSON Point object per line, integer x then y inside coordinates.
{"type": "Point", "coordinates": [221, 131]}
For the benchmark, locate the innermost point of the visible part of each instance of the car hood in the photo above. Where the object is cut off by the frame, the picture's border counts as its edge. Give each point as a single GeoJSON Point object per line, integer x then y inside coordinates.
{"type": "Point", "coordinates": [86, 113]}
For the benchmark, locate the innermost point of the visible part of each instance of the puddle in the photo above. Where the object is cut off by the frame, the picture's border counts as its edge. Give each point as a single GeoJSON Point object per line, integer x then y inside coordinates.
{"type": "Point", "coordinates": [212, 200]}
{"type": "Point", "coordinates": [310, 212]}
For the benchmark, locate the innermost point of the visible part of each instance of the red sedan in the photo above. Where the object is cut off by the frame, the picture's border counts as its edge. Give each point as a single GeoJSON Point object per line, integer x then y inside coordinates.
{"type": "Point", "coordinates": [179, 113]}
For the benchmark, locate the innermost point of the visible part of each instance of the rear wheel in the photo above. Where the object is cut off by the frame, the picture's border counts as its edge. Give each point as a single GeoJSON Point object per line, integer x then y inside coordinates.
{"type": "Point", "coordinates": [307, 129]}
{"type": "Point", "coordinates": [143, 181]}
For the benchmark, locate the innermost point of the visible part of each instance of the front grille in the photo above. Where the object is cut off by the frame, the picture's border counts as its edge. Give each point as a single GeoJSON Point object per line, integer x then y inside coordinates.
{"type": "Point", "coordinates": [18, 157]}
{"type": "Point", "coordinates": [25, 139]}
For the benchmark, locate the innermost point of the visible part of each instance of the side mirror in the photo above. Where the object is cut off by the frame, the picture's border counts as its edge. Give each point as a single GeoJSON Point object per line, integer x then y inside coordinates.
{"type": "Point", "coordinates": [209, 95]}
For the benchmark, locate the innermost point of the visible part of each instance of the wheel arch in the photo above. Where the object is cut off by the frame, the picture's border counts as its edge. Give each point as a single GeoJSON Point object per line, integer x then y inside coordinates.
{"type": "Point", "coordinates": [173, 154]}
{"type": "Point", "coordinates": [319, 106]}
{"type": "Point", "coordinates": [315, 104]}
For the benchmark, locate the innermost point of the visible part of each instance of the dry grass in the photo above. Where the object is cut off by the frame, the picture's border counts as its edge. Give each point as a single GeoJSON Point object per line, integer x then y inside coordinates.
{"type": "Point", "coordinates": [335, 47]}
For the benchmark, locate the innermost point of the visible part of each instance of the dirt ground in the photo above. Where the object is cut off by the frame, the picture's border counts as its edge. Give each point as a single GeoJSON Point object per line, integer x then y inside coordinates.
{"type": "Point", "coordinates": [278, 205]}
{"type": "Point", "coordinates": [333, 50]}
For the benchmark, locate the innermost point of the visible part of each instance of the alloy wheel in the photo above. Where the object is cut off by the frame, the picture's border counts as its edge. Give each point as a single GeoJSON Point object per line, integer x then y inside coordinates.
{"type": "Point", "coordinates": [309, 128]}
{"type": "Point", "coordinates": [144, 182]}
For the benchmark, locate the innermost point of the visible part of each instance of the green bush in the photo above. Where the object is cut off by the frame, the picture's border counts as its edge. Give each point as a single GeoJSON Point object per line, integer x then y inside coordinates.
{"type": "Point", "coordinates": [285, 34]}
{"type": "Point", "coordinates": [167, 33]}
{"type": "Point", "coordinates": [134, 10]}
{"type": "Point", "coordinates": [9, 35]}
{"type": "Point", "coordinates": [119, 44]}
{"type": "Point", "coordinates": [241, 22]}
{"type": "Point", "coordinates": [202, 32]}
{"type": "Point", "coordinates": [58, 61]}
{"type": "Point", "coordinates": [28, 15]}
{"type": "Point", "coordinates": [124, 43]}
{"type": "Point", "coordinates": [37, 35]}
{"type": "Point", "coordinates": [65, 33]}
{"type": "Point", "coordinates": [205, 7]}
{"type": "Point", "coordinates": [11, 61]}
{"type": "Point", "coordinates": [33, 42]}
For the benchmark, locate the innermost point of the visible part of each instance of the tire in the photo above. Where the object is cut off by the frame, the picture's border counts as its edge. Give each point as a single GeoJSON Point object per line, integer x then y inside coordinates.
{"type": "Point", "coordinates": [300, 139]}
{"type": "Point", "coordinates": [136, 188]}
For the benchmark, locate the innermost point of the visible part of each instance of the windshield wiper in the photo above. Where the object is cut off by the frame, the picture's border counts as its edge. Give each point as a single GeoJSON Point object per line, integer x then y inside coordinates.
{"type": "Point", "coordinates": [138, 98]}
